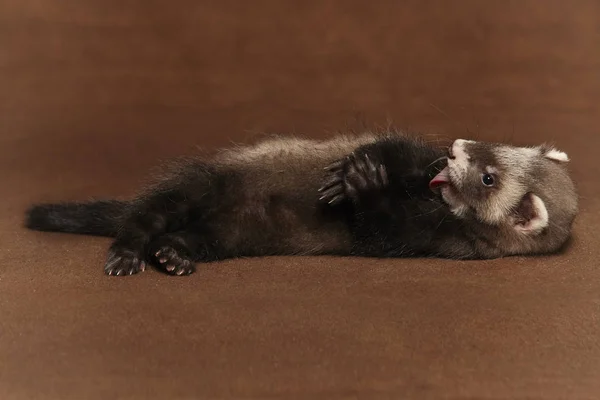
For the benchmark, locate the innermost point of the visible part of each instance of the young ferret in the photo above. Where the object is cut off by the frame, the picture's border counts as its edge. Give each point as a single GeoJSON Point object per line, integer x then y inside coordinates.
{"type": "Point", "coordinates": [372, 195]}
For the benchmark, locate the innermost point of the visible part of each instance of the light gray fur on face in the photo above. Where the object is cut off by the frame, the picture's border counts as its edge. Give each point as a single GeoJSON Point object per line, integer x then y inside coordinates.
{"type": "Point", "coordinates": [509, 165]}
{"type": "Point", "coordinates": [533, 201]}
{"type": "Point", "coordinates": [513, 166]}
{"type": "Point", "coordinates": [458, 167]}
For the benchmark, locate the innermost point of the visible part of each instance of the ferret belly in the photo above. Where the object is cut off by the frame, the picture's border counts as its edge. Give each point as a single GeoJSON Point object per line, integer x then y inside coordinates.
{"type": "Point", "coordinates": [272, 207]}
{"type": "Point", "coordinates": [279, 224]}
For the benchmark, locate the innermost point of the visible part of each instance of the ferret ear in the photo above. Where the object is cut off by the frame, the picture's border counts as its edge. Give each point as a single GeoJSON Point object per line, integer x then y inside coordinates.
{"type": "Point", "coordinates": [531, 216]}
{"type": "Point", "coordinates": [554, 154]}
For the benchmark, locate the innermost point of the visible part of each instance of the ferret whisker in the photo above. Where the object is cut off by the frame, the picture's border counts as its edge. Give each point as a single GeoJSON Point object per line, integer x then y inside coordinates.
{"type": "Point", "coordinates": [436, 160]}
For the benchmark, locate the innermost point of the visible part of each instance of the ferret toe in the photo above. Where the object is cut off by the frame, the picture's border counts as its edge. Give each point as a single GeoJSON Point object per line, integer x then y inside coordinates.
{"type": "Point", "coordinates": [123, 262]}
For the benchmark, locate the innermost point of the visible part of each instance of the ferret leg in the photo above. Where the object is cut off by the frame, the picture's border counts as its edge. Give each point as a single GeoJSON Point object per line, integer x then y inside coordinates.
{"type": "Point", "coordinates": [150, 217]}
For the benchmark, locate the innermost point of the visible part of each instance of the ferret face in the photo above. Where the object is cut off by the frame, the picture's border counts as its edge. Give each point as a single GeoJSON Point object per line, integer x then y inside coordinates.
{"type": "Point", "coordinates": [486, 178]}
{"type": "Point", "coordinates": [522, 190]}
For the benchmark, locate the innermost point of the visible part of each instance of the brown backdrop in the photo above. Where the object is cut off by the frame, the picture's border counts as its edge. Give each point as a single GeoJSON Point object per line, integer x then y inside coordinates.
{"type": "Point", "coordinates": [95, 92]}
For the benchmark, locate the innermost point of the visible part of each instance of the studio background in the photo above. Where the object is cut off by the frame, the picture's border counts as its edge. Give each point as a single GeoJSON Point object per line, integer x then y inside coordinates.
{"type": "Point", "coordinates": [94, 93]}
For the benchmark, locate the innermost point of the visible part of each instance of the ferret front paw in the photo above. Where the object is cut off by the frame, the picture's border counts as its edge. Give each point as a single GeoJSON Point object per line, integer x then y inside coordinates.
{"type": "Point", "coordinates": [122, 261]}
{"type": "Point", "coordinates": [352, 178]}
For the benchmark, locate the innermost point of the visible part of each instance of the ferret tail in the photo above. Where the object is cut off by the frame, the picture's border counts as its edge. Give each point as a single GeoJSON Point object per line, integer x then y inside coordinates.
{"type": "Point", "coordinates": [97, 218]}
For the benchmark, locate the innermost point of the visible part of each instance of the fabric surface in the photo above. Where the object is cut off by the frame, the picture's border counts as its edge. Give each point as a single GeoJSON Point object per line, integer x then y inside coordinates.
{"type": "Point", "coordinates": [94, 93]}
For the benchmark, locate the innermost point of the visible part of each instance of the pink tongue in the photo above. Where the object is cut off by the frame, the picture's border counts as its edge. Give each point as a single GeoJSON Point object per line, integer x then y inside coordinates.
{"type": "Point", "coordinates": [440, 179]}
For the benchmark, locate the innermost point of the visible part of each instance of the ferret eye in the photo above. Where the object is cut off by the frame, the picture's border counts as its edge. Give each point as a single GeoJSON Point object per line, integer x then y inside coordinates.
{"type": "Point", "coordinates": [487, 179]}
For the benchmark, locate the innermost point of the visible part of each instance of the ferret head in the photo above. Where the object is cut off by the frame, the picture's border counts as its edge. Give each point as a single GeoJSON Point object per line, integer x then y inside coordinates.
{"type": "Point", "coordinates": [524, 192]}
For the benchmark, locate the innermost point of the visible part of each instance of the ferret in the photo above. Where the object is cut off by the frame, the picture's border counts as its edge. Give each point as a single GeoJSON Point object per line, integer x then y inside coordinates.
{"type": "Point", "coordinates": [367, 195]}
